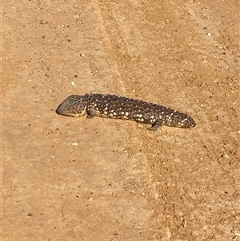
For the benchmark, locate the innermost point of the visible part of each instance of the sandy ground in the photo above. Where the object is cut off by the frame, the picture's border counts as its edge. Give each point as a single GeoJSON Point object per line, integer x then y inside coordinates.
{"type": "Point", "coordinates": [102, 179]}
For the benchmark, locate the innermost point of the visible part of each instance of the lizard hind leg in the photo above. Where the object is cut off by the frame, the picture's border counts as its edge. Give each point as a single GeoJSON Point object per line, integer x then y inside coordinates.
{"type": "Point", "coordinates": [156, 125]}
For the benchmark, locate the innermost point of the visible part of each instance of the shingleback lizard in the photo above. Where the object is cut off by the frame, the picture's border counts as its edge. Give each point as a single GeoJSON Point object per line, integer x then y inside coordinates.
{"type": "Point", "coordinates": [119, 107]}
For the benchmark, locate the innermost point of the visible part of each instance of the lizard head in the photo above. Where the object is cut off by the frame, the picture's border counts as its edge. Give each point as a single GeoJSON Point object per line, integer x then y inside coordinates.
{"type": "Point", "coordinates": [73, 106]}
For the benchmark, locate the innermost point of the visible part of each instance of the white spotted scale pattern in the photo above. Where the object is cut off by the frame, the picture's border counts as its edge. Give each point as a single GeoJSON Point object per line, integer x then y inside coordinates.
{"type": "Point", "coordinates": [119, 107]}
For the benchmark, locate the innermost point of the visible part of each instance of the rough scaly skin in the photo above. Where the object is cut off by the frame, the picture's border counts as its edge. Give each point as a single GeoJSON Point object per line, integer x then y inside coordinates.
{"type": "Point", "coordinates": [119, 107]}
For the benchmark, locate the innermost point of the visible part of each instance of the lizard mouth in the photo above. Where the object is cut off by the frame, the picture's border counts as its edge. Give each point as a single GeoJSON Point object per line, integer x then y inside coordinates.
{"type": "Point", "coordinates": [72, 115]}
{"type": "Point", "coordinates": [60, 112]}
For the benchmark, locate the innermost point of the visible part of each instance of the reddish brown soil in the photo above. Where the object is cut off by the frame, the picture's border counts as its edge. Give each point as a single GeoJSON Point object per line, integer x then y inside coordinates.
{"type": "Point", "coordinates": [102, 179]}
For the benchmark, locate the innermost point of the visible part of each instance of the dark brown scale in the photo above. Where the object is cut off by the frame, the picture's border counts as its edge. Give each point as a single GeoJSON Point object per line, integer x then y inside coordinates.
{"type": "Point", "coordinates": [119, 107]}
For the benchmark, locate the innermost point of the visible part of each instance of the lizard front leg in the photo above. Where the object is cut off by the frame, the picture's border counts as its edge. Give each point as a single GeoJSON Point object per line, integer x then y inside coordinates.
{"type": "Point", "coordinates": [91, 112]}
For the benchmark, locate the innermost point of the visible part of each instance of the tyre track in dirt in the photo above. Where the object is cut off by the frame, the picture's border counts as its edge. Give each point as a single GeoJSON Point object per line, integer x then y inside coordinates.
{"type": "Point", "coordinates": [182, 53]}
{"type": "Point", "coordinates": [67, 179]}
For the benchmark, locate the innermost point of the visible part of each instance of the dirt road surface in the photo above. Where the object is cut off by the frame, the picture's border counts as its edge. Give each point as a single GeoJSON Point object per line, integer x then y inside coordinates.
{"type": "Point", "coordinates": [101, 179]}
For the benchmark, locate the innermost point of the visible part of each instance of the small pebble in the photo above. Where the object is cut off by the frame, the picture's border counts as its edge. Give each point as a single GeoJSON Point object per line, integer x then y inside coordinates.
{"type": "Point", "coordinates": [226, 156]}
{"type": "Point", "coordinates": [73, 84]}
